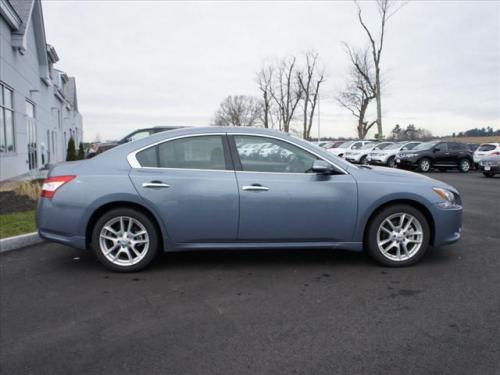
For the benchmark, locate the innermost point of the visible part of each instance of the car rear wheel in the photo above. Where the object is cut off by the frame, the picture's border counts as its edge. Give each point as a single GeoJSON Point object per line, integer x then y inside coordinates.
{"type": "Point", "coordinates": [424, 165]}
{"type": "Point", "coordinates": [464, 165]}
{"type": "Point", "coordinates": [398, 236]}
{"type": "Point", "coordinates": [125, 240]}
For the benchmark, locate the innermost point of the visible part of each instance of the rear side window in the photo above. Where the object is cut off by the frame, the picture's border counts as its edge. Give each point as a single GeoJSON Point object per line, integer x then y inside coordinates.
{"type": "Point", "coordinates": [487, 147]}
{"type": "Point", "coordinates": [205, 152]}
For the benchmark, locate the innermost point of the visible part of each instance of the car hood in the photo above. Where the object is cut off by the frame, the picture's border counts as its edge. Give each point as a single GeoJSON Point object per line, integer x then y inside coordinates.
{"type": "Point", "coordinates": [400, 175]}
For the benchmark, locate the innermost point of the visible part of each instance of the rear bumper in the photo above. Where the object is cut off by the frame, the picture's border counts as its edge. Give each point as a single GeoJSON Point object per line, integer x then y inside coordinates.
{"type": "Point", "coordinates": [447, 225]}
{"type": "Point", "coordinates": [73, 241]}
{"type": "Point", "coordinates": [493, 169]}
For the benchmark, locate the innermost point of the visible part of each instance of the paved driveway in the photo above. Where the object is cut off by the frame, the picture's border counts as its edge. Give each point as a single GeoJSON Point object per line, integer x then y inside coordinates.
{"type": "Point", "coordinates": [269, 312]}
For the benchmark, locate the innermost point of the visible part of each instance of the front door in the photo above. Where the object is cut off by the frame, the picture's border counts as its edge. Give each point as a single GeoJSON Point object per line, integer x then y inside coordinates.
{"type": "Point", "coordinates": [280, 200]}
{"type": "Point", "coordinates": [191, 183]}
{"type": "Point", "coordinates": [441, 154]}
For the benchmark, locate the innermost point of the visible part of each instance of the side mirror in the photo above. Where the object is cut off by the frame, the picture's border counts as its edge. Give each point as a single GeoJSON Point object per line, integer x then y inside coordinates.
{"type": "Point", "coordinates": [321, 167]}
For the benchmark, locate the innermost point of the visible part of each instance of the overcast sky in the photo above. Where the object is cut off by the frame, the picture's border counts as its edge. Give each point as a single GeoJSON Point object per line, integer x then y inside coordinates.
{"type": "Point", "coordinates": [141, 64]}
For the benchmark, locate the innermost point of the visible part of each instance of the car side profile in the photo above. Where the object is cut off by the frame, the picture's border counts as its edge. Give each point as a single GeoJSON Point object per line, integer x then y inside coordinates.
{"type": "Point", "coordinates": [436, 154]}
{"type": "Point", "coordinates": [387, 156]}
{"type": "Point", "coordinates": [348, 146]}
{"type": "Point", "coordinates": [194, 189]}
{"type": "Point", "coordinates": [361, 156]}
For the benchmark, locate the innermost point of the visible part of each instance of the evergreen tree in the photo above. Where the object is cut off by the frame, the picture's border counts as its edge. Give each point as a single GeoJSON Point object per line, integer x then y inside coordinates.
{"type": "Point", "coordinates": [71, 152]}
{"type": "Point", "coordinates": [81, 152]}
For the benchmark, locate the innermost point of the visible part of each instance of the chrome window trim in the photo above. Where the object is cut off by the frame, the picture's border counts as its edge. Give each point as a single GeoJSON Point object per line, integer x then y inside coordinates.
{"type": "Point", "coordinates": [132, 160]}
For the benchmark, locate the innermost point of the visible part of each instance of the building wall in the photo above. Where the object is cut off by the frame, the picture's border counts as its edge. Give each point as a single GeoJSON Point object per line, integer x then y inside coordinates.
{"type": "Point", "coordinates": [21, 73]}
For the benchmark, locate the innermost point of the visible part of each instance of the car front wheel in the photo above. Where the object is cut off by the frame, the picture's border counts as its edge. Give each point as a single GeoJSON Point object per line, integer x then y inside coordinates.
{"type": "Point", "coordinates": [125, 240]}
{"type": "Point", "coordinates": [424, 165]}
{"type": "Point", "coordinates": [464, 165]}
{"type": "Point", "coordinates": [398, 236]}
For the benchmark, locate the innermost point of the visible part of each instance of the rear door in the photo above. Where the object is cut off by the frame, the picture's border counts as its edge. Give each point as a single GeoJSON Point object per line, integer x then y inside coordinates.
{"type": "Point", "coordinates": [281, 201]}
{"type": "Point", "coordinates": [191, 183]}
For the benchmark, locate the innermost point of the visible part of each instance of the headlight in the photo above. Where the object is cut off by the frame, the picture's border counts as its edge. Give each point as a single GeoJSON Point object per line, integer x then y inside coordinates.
{"type": "Point", "coordinates": [409, 155]}
{"type": "Point", "coordinates": [447, 196]}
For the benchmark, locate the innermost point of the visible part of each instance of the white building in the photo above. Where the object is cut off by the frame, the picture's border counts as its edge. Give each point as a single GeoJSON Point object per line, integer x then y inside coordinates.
{"type": "Point", "coordinates": [38, 105]}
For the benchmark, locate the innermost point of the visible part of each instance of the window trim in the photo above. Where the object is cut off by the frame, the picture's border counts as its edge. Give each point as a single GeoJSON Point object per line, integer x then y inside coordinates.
{"type": "Point", "coordinates": [134, 163]}
{"type": "Point", "coordinates": [237, 162]}
{"type": "Point", "coordinates": [234, 158]}
{"type": "Point", "coordinates": [11, 109]}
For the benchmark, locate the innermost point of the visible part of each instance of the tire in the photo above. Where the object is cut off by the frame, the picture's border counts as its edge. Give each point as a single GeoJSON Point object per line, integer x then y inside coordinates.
{"type": "Point", "coordinates": [489, 174]}
{"type": "Point", "coordinates": [363, 160]}
{"type": "Point", "coordinates": [387, 253]}
{"type": "Point", "coordinates": [464, 165]}
{"type": "Point", "coordinates": [424, 165]}
{"type": "Point", "coordinates": [129, 256]}
{"type": "Point", "coordinates": [391, 162]}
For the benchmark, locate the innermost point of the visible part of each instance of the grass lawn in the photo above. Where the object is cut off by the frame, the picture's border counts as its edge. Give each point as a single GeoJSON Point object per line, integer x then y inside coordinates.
{"type": "Point", "coordinates": [17, 223]}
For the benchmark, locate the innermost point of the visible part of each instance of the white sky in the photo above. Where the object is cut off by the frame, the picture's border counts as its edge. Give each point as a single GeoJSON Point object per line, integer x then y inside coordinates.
{"type": "Point", "coordinates": [141, 64]}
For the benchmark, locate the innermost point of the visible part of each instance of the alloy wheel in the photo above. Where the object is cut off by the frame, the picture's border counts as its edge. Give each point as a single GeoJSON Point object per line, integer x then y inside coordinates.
{"type": "Point", "coordinates": [124, 241]}
{"type": "Point", "coordinates": [464, 166]}
{"type": "Point", "coordinates": [400, 237]}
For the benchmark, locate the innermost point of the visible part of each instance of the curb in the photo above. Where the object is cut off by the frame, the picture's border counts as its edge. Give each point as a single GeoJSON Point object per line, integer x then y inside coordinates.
{"type": "Point", "coordinates": [17, 242]}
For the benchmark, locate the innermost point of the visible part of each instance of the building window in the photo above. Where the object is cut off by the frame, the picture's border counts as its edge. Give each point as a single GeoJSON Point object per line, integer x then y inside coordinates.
{"type": "Point", "coordinates": [6, 119]}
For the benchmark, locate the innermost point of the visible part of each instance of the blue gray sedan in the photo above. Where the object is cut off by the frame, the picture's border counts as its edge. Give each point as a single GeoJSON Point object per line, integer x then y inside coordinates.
{"type": "Point", "coordinates": [241, 188]}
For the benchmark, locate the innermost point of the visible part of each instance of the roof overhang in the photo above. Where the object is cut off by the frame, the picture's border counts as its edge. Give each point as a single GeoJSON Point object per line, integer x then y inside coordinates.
{"type": "Point", "coordinates": [10, 15]}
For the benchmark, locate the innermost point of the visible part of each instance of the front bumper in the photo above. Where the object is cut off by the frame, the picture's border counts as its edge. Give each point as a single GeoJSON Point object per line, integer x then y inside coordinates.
{"type": "Point", "coordinates": [377, 160]}
{"type": "Point", "coordinates": [406, 163]}
{"type": "Point", "coordinates": [447, 225]}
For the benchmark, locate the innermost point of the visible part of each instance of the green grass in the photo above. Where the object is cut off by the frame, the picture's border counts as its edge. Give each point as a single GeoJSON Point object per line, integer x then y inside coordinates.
{"type": "Point", "coordinates": [17, 223]}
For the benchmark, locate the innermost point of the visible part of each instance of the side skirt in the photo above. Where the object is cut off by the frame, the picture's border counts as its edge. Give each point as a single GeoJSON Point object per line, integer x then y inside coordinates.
{"type": "Point", "coordinates": [352, 246]}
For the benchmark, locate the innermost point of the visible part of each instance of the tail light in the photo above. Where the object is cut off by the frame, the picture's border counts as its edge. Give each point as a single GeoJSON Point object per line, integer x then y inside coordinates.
{"type": "Point", "coordinates": [51, 184]}
{"type": "Point", "coordinates": [496, 153]}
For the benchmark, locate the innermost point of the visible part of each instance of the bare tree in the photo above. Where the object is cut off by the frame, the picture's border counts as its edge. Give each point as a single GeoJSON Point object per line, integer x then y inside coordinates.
{"type": "Point", "coordinates": [265, 82]}
{"type": "Point", "coordinates": [386, 9]}
{"type": "Point", "coordinates": [240, 110]}
{"type": "Point", "coordinates": [360, 90]}
{"type": "Point", "coordinates": [286, 92]}
{"type": "Point", "coordinates": [310, 80]}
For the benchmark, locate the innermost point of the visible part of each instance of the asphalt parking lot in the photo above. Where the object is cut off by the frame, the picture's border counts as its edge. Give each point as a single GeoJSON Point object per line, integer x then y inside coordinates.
{"type": "Point", "coordinates": [261, 312]}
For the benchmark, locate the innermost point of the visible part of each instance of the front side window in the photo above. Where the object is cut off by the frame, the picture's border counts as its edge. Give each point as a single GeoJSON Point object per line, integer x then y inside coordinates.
{"type": "Point", "coordinates": [357, 145]}
{"type": "Point", "coordinates": [139, 135]}
{"type": "Point", "coordinates": [6, 119]}
{"type": "Point", "coordinates": [261, 154]}
{"type": "Point", "coordinates": [203, 152]}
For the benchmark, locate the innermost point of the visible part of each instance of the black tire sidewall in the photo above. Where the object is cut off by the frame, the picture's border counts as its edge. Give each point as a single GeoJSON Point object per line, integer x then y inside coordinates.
{"type": "Point", "coordinates": [371, 235]}
{"type": "Point", "coordinates": [391, 160]}
{"type": "Point", "coordinates": [144, 220]}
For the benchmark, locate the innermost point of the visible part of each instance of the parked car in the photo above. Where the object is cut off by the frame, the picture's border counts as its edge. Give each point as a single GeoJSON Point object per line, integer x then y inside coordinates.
{"type": "Point", "coordinates": [192, 189]}
{"type": "Point", "coordinates": [361, 156]}
{"type": "Point", "coordinates": [486, 149]}
{"type": "Point", "coordinates": [490, 165]}
{"type": "Point", "coordinates": [332, 144]}
{"type": "Point", "coordinates": [436, 154]}
{"type": "Point", "coordinates": [347, 146]}
{"type": "Point", "coordinates": [100, 147]}
{"type": "Point", "coordinates": [387, 156]}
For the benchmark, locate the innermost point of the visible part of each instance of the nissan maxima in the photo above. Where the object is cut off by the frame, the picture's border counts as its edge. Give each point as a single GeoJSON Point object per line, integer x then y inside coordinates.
{"type": "Point", "coordinates": [194, 189]}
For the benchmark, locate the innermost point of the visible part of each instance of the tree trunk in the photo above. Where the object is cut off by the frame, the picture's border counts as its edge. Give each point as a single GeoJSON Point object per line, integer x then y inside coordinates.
{"type": "Point", "coordinates": [379, 105]}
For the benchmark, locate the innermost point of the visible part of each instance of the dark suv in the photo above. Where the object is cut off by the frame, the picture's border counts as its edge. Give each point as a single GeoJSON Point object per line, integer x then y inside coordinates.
{"type": "Point", "coordinates": [436, 154]}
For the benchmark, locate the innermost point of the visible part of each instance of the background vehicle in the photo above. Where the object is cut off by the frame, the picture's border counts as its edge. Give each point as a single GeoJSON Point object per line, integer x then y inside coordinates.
{"type": "Point", "coordinates": [332, 144]}
{"type": "Point", "coordinates": [361, 156]}
{"type": "Point", "coordinates": [490, 165]}
{"type": "Point", "coordinates": [436, 154]}
{"type": "Point", "coordinates": [347, 146]}
{"type": "Point", "coordinates": [387, 156]}
{"type": "Point", "coordinates": [98, 148]}
{"type": "Point", "coordinates": [486, 149]}
{"type": "Point", "coordinates": [193, 189]}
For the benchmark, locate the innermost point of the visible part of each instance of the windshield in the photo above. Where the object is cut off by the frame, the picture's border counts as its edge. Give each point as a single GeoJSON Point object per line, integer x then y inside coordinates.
{"type": "Point", "coordinates": [346, 144]}
{"type": "Point", "coordinates": [383, 146]}
{"type": "Point", "coordinates": [367, 146]}
{"type": "Point", "coordinates": [394, 146]}
{"type": "Point", "coordinates": [426, 145]}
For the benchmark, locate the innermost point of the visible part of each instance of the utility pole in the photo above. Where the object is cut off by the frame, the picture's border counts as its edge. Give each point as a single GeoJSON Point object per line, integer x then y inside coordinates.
{"type": "Point", "coordinates": [319, 120]}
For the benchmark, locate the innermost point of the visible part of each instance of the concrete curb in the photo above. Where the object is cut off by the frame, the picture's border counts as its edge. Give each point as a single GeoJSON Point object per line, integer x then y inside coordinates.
{"type": "Point", "coordinates": [17, 242]}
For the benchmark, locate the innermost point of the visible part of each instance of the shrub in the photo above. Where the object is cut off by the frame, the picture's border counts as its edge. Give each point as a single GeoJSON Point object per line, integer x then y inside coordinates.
{"type": "Point", "coordinates": [30, 189]}
{"type": "Point", "coordinates": [71, 152]}
{"type": "Point", "coordinates": [81, 152]}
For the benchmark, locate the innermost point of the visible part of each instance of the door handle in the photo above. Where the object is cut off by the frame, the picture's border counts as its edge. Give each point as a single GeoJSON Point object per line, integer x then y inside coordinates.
{"type": "Point", "coordinates": [155, 185]}
{"type": "Point", "coordinates": [254, 188]}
